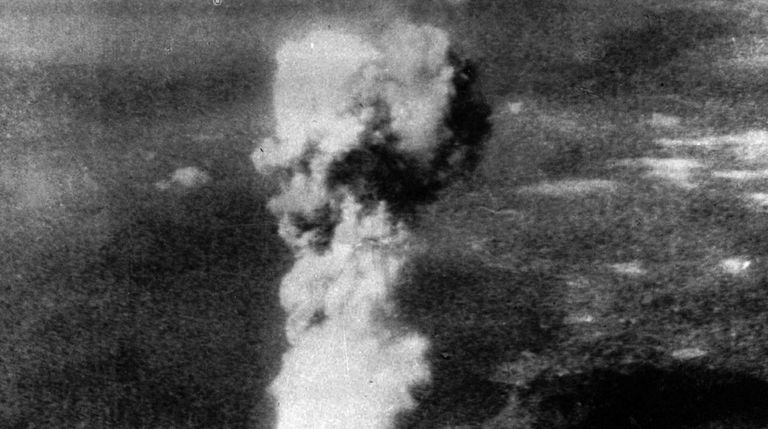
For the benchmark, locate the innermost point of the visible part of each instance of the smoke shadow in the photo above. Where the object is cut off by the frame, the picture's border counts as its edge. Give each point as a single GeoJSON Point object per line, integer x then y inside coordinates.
{"type": "Point", "coordinates": [631, 58]}
{"type": "Point", "coordinates": [663, 37]}
{"type": "Point", "coordinates": [211, 229]}
{"type": "Point", "coordinates": [628, 55]}
{"type": "Point", "coordinates": [476, 318]}
{"type": "Point", "coordinates": [124, 388]}
{"type": "Point", "coordinates": [176, 323]}
{"type": "Point", "coordinates": [644, 396]}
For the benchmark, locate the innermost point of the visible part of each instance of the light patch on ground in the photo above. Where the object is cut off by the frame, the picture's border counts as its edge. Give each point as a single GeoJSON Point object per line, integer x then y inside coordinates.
{"type": "Point", "coordinates": [679, 171]}
{"type": "Point", "coordinates": [572, 187]}
{"type": "Point", "coordinates": [578, 282]}
{"type": "Point", "coordinates": [750, 54]}
{"type": "Point", "coordinates": [579, 318]}
{"type": "Point", "coordinates": [752, 63]}
{"type": "Point", "coordinates": [689, 353]}
{"type": "Point", "coordinates": [30, 188]}
{"type": "Point", "coordinates": [758, 199]}
{"type": "Point", "coordinates": [660, 120]}
{"type": "Point", "coordinates": [49, 200]}
{"type": "Point", "coordinates": [187, 177]}
{"type": "Point", "coordinates": [750, 146]}
{"type": "Point", "coordinates": [741, 174]}
{"type": "Point", "coordinates": [703, 142]}
{"type": "Point", "coordinates": [514, 108]}
{"type": "Point", "coordinates": [633, 268]}
{"type": "Point", "coordinates": [735, 265]}
{"type": "Point", "coordinates": [147, 155]}
{"type": "Point", "coordinates": [39, 37]}
{"type": "Point", "coordinates": [190, 177]}
{"type": "Point", "coordinates": [34, 182]}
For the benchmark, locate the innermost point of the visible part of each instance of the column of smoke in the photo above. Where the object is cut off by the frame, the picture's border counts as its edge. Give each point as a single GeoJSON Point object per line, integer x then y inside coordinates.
{"type": "Point", "coordinates": [365, 131]}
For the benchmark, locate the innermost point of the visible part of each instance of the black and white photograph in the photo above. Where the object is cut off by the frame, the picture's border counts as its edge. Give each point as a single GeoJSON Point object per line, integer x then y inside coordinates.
{"type": "Point", "coordinates": [383, 214]}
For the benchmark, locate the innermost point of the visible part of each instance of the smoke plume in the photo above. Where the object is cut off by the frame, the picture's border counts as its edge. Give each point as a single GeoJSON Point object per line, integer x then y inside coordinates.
{"type": "Point", "coordinates": [367, 128]}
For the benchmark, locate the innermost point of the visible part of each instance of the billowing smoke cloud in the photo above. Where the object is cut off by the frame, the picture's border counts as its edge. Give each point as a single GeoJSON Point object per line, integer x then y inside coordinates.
{"type": "Point", "coordinates": [366, 129]}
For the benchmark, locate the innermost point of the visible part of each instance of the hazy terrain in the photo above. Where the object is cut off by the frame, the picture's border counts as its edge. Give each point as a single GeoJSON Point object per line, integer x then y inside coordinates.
{"type": "Point", "coordinates": [602, 268]}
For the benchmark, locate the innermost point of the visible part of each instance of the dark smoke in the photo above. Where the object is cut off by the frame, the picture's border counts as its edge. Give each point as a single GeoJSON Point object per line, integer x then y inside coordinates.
{"type": "Point", "coordinates": [378, 171]}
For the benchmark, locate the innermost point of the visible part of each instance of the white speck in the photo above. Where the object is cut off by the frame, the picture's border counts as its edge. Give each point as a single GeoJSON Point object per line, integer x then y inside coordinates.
{"type": "Point", "coordinates": [576, 187]}
{"type": "Point", "coordinates": [578, 283]}
{"type": "Point", "coordinates": [735, 265]}
{"type": "Point", "coordinates": [579, 318]}
{"type": "Point", "coordinates": [479, 245]}
{"type": "Point", "coordinates": [633, 268]}
{"type": "Point", "coordinates": [689, 353]}
{"type": "Point", "coordinates": [515, 108]}
{"type": "Point", "coordinates": [163, 185]}
{"type": "Point", "coordinates": [679, 171]}
{"type": "Point", "coordinates": [190, 177]}
{"type": "Point", "coordinates": [187, 177]}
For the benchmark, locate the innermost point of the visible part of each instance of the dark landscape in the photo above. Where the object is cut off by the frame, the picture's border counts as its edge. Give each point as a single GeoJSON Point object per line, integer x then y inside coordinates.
{"type": "Point", "coordinates": [603, 266]}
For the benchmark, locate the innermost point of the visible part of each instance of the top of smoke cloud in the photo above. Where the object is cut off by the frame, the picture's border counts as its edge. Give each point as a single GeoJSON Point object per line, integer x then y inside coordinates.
{"type": "Point", "coordinates": [328, 85]}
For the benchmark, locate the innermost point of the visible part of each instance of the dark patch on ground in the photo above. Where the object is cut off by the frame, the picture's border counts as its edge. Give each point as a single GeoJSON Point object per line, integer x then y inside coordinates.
{"type": "Point", "coordinates": [476, 317]}
{"type": "Point", "coordinates": [177, 323]}
{"type": "Point", "coordinates": [145, 360]}
{"type": "Point", "coordinates": [212, 228]}
{"type": "Point", "coordinates": [678, 396]}
{"type": "Point", "coordinates": [633, 58]}
{"type": "Point", "coordinates": [122, 388]}
{"type": "Point", "coordinates": [628, 54]}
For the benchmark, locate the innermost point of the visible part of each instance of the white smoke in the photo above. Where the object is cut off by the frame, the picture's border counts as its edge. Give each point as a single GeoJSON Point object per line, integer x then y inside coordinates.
{"type": "Point", "coordinates": [348, 370]}
{"type": "Point", "coordinates": [340, 100]}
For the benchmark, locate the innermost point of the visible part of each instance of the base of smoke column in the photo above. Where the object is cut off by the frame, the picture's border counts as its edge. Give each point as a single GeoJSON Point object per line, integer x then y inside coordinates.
{"type": "Point", "coordinates": [467, 402]}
